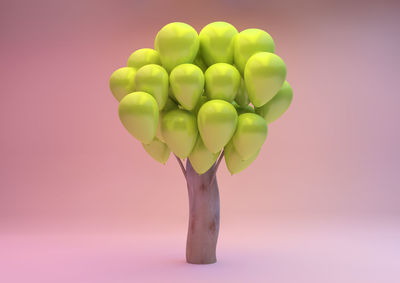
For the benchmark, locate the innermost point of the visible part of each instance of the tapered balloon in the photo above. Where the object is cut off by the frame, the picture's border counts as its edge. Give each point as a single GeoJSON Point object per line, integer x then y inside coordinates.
{"type": "Point", "coordinates": [201, 158]}
{"type": "Point", "coordinates": [216, 43]}
{"type": "Point", "coordinates": [138, 112]}
{"type": "Point", "coordinates": [169, 105]}
{"type": "Point", "coordinates": [187, 84]}
{"type": "Point", "coordinates": [179, 129]}
{"type": "Point", "coordinates": [142, 57]}
{"type": "Point", "coordinates": [122, 82]}
{"type": "Point", "coordinates": [222, 82]}
{"type": "Point", "coordinates": [278, 105]}
{"type": "Point", "coordinates": [177, 43]}
{"type": "Point", "coordinates": [248, 42]}
{"type": "Point", "coordinates": [158, 150]}
{"type": "Point", "coordinates": [241, 97]}
{"type": "Point", "coordinates": [153, 79]}
{"type": "Point", "coordinates": [264, 75]}
{"type": "Point", "coordinates": [250, 134]}
{"type": "Point", "coordinates": [234, 161]}
{"type": "Point", "coordinates": [217, 120]}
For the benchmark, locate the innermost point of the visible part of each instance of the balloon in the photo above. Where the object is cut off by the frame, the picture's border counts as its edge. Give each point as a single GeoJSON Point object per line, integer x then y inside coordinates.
{"type": "Point", "coordinates": [234, 161]}
{"type": "Point", "coordinates": [158, 150]}
{"type": "Point", "coordinates": [153, 79]}
{"type": "Point", "coordinates": [264, 75]}
{"type": "Point", "coordinates": [177, 43]}
{"type": "Point", "coordinates": [241, 97]}
{"type": "Point", "coordinates": [278, 105]}
{"type": "Point", "coordinates": [249, 42]}
{"type": "Point", "coordinates": [142, 57]}
{"type": "Point", "coordinates": [222, 82]}
{"type": "Point", "coordinates": [187, 84]}
{"type": "Point", "coordinates": [122, 82]}
{"type": "Point", "coordinates": [169, 105]}
{"type": "Point", "coordinates": [217, 120]}
{"type": "Point", "coordinates": [250, 134]}
{"type": "Point", "coordinates": [179, 130]}
{"type": "Point", "coordinates": [201, 158]}
{"type": "Point", "coordinates": [138, 112]}
{"type": "Point", "coordinates": [216, 43]}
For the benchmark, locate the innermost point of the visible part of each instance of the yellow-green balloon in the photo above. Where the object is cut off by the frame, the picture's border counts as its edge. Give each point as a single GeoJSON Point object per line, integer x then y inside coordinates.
{"type": "Point", "coordinates": [142, 57]}
{"type": "Point", "coordinates": [216, 43]}
{"type": "Point", "coordinates": [278, 105]}
{"type": "Point", "coordinates": [187, 84]}
{"type": "Point", "coordinates": [122, 82]}
{"type": "Point", "coordinates": [158, 150]}
{"type": "Point", "coordinates": [201, 158]}
{"type": "Point", "coordinates": [250, 134]}
{"type": "Point", "coordinates": [234, 161]}
{"type": "Point", "coordinates": [241, 97]}
{"type": "Point", "coordinates": [248, 42]}
{"type": "Point", "coordinates": [179, 129]}
{"type": "Point", "coordinates": [222, 82]}
{"type": "Point", "coordinates": [177, 43]}
{"type": "Point", "coordinates": [169, 105]}
{"type": "Point", "coordinates": [264, 75]}
{"type": "Point", "coordinates": [217, 120]}
{"type": "Point", "coordinates": [138, 112]}
{"type": "Point", "coordinates": [153, 79]}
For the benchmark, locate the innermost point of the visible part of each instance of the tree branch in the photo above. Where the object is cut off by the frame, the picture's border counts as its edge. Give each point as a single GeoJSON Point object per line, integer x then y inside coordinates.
{"type": "Point", "coordinates": [216, 165]}
{"type": "Point", "coordinates": [181, 165]}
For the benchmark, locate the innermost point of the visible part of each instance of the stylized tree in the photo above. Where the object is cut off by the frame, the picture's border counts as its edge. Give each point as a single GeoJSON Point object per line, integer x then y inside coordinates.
{"type": "Point", "coordinates": [204, 97]}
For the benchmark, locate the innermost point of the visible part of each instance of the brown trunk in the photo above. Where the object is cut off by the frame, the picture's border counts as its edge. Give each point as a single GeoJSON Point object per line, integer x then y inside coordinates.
{"type": "Point", "coordinates": [203, 215]}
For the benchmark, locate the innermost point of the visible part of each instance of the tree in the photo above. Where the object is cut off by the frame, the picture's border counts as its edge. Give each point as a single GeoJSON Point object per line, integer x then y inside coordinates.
{"type": "Point", "coordinates": [203, 97]}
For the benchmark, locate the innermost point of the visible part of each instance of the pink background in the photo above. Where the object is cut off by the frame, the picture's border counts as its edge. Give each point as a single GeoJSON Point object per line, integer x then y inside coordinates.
{"type": "Point", "coordinates": [80, 200]}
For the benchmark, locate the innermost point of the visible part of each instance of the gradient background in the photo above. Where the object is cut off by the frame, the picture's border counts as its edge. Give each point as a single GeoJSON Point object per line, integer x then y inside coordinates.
{"type": "Point", "coordinates": [80, 200]}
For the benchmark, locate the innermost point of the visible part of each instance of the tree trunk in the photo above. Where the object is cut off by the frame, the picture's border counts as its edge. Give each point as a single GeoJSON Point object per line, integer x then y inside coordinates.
{"type": "Point", "coordinates": [203, 215]}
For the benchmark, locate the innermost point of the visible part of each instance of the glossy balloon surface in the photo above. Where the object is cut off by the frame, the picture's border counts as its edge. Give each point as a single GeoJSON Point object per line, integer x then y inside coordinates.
{"type": "Point", "coordinates": [187, 84]}
{"type": "Point", "coordinates": [153, 79]}
{"type": "Point", "coordinates": [201, 158]}
{"type": "Point", "coordinates": [158, 150]}
{"type": "Point", "coordinates": [222, 82]}
{"type": "Point", "coordinates": [122, 82]}
{"type": "Point", "coordinates": [217, 120]}
{"type": "Point", "coordinates": [138, 112]}
{"type": "Point", "coordinates": [177, 43]}
{"type": "Point", "coordinates": [143, 57]}
{"type": "Point", "coordinates": [234, 161]}
{"type": "Point", "coordinates": [264, 75]}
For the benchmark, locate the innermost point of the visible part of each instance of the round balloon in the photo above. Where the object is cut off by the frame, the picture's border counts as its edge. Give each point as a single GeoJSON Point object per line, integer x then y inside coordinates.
{"type": "Point", "coordinates": [122, 82]}
{"type": "Point", "coordinates": [278, 105]}
{"type": "Point", "coordinates": [234, 161]}
{"type": "Point", "coordinates": [222, 82]}
{"type": "Point", "coordinates": [264, 75]}
{"type": "Point", "coordinates": [142, 57]}
{"type": "Point", "coordinates": [216, 43]}
{"type": "Point", "coordinates": [177, 43]}
{"type": "Point", "coordinates": [179, 129]}
{"type": "Point", "coordinates": [217, 120]}
{"type": "Point", "coordinates": [158, 150]}
{"type": "Point", "coordinates": [138, 112]}
{"type": "Point", "coordinates": [201, 158]}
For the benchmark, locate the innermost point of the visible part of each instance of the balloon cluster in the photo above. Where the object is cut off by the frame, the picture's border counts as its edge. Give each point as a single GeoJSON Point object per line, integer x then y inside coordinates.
{"type": "Point", "coordinates": [199, 94]}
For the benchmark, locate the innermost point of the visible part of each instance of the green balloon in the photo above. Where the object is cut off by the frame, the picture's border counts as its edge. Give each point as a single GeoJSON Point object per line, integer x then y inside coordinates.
{"type": "Point", "coordinates": [169, 105]}
{"type": "Point", "coordinates": [216, 43]}
{"type": "Point", "coordinates": [250, 134]}
{"type": "Point", "coordinates": [241, 97]}
{"type": "Point", "coordinates": [142, 57]}
{"type": "Point", "coordinates": [153, 79]}
{"type": "Point", "coordinates": [201, 158]}
{"type": "Point", "coordinates": [222, 82]}
{"type": "Point", "coordinates": [249, 42]}
{"type": "Point", "coordinates": [122, 82]}
{"type": "Point", "coordinates": [234, 161]}
{"type": "Point", "coordinates": [138, 112]}
{"type": "Point", "coordinates": [158, 150]}
{"type": "Point", "coordinates": [187, 84]}
{"type": "Point", "coordinates": [179, 129]}
{"type": "Point", "coordinates": [278, 105]}
{"type": "Point", "coordinates": [217, 120]}
{"type": "Point", "coordinates": [177, 43]}
{"type": "Point", "coordinates": [264, 75]}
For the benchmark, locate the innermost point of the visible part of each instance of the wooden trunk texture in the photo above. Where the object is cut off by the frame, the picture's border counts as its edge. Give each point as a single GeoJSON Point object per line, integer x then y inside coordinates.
{"type": "Point", "coordinates": [203, 215]}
